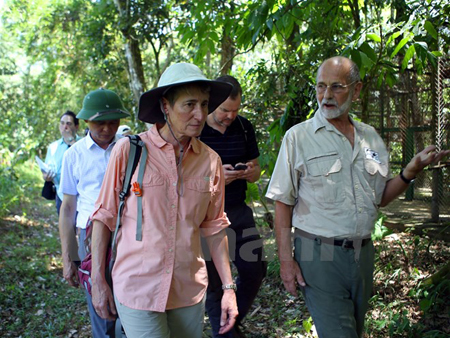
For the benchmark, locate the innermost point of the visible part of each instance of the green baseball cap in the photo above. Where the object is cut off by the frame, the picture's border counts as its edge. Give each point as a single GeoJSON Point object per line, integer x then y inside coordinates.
{"type": "Point", "coordinates": [102, 105]}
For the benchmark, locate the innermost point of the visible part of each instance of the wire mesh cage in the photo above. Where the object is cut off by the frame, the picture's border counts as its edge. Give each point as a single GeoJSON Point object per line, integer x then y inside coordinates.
{"type": "Point", "coordinates": [410, 116]}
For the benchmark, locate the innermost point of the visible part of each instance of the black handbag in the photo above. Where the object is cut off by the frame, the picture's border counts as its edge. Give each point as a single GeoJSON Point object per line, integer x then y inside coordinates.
{"type": "Point", "coordinates": [49, 190]}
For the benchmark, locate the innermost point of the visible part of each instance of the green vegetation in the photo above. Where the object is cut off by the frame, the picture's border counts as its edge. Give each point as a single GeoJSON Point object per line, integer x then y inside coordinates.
{"type": "Point", "coordinates": [19, 182]}
{"type": "Point", "coordinates": [34, 299]}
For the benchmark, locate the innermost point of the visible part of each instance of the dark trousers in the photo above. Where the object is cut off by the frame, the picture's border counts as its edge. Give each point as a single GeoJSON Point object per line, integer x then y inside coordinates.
{"type": "Point", "coordinates": [101, 328]}
{"type": "Point", "coordinates": [338, 286]}
{"type": "Point", "coordinates": [246, 252]}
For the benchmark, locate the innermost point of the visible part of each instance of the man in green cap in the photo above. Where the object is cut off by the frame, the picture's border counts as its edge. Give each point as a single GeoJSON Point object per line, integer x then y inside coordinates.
{"type": "Point", "coordinates": [83, 168]}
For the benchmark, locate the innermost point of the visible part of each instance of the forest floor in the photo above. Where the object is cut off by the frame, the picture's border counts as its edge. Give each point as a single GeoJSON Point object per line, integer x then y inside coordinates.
{"type": "Point", "coordinates": [35, 301]}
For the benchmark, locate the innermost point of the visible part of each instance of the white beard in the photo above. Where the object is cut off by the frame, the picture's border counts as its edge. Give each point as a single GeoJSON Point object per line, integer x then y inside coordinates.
{"type": "Point", "coordinates": [330, 114]}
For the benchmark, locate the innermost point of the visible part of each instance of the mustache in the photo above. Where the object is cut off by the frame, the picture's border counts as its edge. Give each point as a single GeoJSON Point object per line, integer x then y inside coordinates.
{"type": "Point", "coordinates": [331, 102]}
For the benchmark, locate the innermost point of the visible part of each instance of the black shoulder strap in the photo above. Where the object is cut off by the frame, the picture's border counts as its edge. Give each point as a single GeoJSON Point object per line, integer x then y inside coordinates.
{"type": "Point", "coordinates": [133, 159]}
{"type": "Point", "coordinates": [243, 128]}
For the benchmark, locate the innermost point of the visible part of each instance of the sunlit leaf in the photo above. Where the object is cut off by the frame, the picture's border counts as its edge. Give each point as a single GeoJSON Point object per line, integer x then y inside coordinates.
{"type": "Point", "coordinates": [400, 45]}
{"type": "Point", "coordinates": [408, 56]}
{"type": "Point", "coordinates": [374, 37]}
{"type": "Point", "coordinates": [393, 37]}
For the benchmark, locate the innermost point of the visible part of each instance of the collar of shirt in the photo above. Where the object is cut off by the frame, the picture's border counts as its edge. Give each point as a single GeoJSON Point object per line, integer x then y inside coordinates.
{"type": "Point", "coordinates": [62, 143]}
{"type": "Point", "coordinates": [160, 142]}
{"type": "Point", "coordinates": [90, 141]}
{"type": "Point", "coordinates": [61, 140]}
{"type": "Point", "coordinates": [320, 122]}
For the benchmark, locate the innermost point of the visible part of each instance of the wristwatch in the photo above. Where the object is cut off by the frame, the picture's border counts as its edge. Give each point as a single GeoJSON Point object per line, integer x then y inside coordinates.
{"type": "Point", "coordinates": [404, 179]}
{"type": "Point", "coordinates": [229, 286]}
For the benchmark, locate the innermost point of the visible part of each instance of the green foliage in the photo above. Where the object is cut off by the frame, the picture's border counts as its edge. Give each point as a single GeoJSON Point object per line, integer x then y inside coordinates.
{"type": "Point", "coordinates": [20, 180]}
{"type": "Point", "coordinates": [380, 231]}
{"type": "Point", "coordinates": [269, 88]}
{"type": "Point", "coordinates": [36, 302]}
{"type": "Point", "coordinates": [56, 55]}
{"type": "Point", "coordinates": [400, 294]}
{"type": "Point", "coordinates": [434, 296]}
{"type": "Point", "coordinates": [416, 39]}
{"type": "Point", "coordinates": [307, 324]}
{"type": "Point", "coordinates": [54, 52]}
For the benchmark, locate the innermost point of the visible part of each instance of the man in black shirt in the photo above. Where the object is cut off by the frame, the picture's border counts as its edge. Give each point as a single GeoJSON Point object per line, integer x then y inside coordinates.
{"type": "Point", "coordinates": [233, 138]}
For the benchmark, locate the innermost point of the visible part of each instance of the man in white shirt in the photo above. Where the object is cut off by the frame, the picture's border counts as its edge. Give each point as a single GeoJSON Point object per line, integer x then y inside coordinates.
{"type": "Point", "coordinates": [84, 166]}
{"type": "Point", "coordinates": [68, 127]}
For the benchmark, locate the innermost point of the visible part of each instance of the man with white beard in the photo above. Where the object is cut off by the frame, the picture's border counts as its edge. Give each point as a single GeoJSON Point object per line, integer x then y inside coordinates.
{"type": "Point", "coordinates": [331, 176]}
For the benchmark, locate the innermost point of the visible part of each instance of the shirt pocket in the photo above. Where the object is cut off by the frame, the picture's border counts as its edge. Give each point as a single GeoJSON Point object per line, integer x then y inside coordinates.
{"type": "Point", "coordinates": [198, 193]}
{"type": "Point", "coordinates": [154, 200]}
{"type": "Point", "coordinates": [373, 167]}
{"type": "Point", "coordinates": [325, 177]}
{"type": "Point", "coordinates": [152, 180]}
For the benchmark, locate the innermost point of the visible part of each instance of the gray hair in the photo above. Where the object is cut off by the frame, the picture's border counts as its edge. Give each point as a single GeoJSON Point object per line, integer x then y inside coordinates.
{"type": "Point", "coordinates": [353, 75]}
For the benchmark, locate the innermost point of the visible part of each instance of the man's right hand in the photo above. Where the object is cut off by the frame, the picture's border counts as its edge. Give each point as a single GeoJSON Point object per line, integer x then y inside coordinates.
{"type": "Point", "coordinates": [70, 273]}
{"type": "Point", "coordinates": [291, 275]}
{"type": "Point", "coordinates": [103, 300]}
{"type": "Point", "coordinates": [231, 174]}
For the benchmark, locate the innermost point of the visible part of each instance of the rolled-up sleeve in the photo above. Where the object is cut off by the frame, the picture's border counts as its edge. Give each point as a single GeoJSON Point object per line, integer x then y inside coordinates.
{"type": "Point", "coordinates": [216, 218]}
{"type": "Point", "coordinates": [284, 183]}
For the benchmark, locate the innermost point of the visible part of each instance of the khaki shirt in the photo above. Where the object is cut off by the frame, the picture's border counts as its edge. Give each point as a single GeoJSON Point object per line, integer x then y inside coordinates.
{"type": "Point", "coordinates": [335, 190]}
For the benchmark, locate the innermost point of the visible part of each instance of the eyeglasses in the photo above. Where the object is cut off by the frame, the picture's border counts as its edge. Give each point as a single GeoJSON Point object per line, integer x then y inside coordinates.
{"type": "Point", "coordinates": [336, 88]}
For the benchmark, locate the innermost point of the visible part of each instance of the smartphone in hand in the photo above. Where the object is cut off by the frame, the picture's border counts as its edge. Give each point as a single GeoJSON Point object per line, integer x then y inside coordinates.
{"type": "Point", "coordinates": [240, 167]}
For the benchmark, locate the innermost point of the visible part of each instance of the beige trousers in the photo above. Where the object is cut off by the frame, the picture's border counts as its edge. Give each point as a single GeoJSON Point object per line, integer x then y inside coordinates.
{"type": "Point", "coordinates": [178, 323]}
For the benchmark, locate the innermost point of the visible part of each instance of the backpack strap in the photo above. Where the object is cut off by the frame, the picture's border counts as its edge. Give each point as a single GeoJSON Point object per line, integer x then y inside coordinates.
{"type": "Point", "coordinates": [136, 146]}
{"type": "Point", "coordinates": [139, 196]}
{"type": "Point", "coordinates": [243, 128]}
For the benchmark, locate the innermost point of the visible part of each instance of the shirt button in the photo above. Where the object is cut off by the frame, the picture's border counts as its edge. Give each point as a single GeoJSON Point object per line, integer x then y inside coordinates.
{"type": "Point", "coordinates": [170, 250]}
{"type": "Point", "coordinates": [171, 228]}
{"type": "Point", "coordinates": [167, 271]}
{"type": "Point", "coordinates": [173, 206]}
{"type": "Point", "coordinates": [174, 184]}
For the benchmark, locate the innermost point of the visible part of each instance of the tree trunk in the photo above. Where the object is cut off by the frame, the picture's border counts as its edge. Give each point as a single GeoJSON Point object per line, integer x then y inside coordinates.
{"type": "Point", "coordinates": [354, 7]}
{"type": "Point", "coordinates": [226, 54]}
{"type": "Point", "coordinates": [135, 69]}
{"type": "Point", "coordinates": [132, 52]}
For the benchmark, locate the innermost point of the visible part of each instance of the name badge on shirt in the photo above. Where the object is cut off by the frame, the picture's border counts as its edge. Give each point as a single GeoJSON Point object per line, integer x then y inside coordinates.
{"type": "Point", "coordinates": [372, 155]}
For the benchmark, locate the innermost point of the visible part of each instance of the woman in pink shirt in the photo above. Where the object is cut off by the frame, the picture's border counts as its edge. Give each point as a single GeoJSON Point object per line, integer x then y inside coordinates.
{"type": "Point", "coordinates": [160, 281]}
